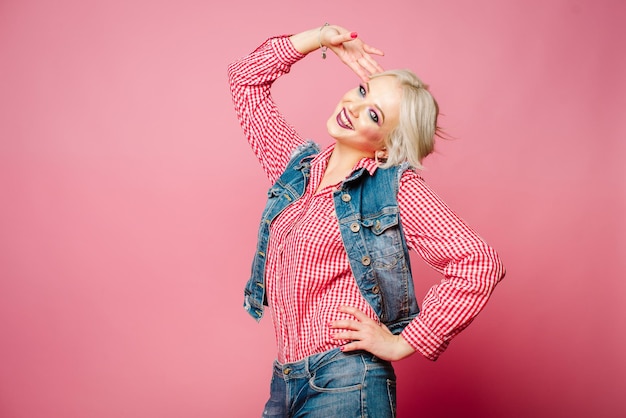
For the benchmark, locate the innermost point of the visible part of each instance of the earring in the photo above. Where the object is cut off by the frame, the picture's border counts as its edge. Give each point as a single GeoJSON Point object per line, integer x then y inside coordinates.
{"type": "Point", "coordinates": [379, 157]}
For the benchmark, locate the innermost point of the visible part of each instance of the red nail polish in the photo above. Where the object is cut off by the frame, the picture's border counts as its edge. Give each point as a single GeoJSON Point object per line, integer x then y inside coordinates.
{"type": "Point", "coordinates": [342, 348]}
{"type": "Point", "coordinates": [353, 35]}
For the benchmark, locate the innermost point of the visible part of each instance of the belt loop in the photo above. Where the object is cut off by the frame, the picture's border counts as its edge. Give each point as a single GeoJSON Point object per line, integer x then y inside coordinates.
{"type": "Point", "coordinates": [306, 365]}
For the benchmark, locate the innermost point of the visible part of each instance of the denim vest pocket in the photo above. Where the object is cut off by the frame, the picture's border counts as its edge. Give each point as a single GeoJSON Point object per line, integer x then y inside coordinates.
{"type": "Point", "coordinates": [387, 247]}
{"type": "Point", "coordinates": [379, 224]}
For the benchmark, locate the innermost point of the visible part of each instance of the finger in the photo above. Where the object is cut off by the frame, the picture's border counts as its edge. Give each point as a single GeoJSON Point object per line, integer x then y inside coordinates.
{"type": "Point", "coordinates": [343, 37]}
{"type": "Point", "coordinates": [352, 346]}
{"type": "Point", "coordinates": [374, 64]}
{"type": "Point", "coordinates": [372, 50]}
{"type": "Point", "coordinates": [368, 65]}
{"type": "Point", "coordinates": [346, 335]}
{"type": "Point", "coordinates": [363, 75]}
{"type": "Point", "coordinates": [345, 324]}
{"type": "Point", "coordinates": [358, 314]}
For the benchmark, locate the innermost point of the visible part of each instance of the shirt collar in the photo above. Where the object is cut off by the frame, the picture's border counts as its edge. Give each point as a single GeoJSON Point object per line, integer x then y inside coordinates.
{"type": "Point", "coordinates": [322, 158]}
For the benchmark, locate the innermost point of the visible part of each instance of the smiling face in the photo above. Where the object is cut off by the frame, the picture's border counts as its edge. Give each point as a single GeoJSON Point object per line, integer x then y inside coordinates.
{"type": "Point", "coordinates": [365, 116]}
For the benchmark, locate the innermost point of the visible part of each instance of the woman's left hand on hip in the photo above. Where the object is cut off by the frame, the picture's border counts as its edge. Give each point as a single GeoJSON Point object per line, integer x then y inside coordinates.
{"type": "Point", "coordinates": [363, 333]}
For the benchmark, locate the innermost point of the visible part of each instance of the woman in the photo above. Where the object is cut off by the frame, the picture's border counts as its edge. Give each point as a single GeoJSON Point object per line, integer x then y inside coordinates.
{"type": "Point", "coordinates": [332, 261]}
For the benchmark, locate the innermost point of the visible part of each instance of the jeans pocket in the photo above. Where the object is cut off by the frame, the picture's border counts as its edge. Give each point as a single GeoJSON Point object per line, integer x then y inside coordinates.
{"type": "Point", "coordinates": [345, 375]}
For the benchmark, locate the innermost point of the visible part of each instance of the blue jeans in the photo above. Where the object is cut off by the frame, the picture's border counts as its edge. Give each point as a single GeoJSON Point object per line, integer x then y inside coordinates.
{"type": "Point", "coordinates": [333, 384]}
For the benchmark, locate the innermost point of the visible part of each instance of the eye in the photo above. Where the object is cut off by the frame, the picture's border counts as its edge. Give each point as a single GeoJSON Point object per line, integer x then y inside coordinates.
{"type": "Point", "coordinates": [362, 91]}
{"type": "Point", "coordinates": [374, 116]}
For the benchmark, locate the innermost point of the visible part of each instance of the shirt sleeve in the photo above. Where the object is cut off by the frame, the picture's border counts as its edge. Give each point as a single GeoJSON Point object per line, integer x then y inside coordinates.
{"type": "Point", "coordinates": [470, 268]}
{"type": "Point", "coordinates": [272, 139]}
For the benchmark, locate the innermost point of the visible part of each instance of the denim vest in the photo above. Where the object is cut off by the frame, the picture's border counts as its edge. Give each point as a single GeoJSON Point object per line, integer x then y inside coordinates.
{"type": "Point", "coordinates": [369, 221]}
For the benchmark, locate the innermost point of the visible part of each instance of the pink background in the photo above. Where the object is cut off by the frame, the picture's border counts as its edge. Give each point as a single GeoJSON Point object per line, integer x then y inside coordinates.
{"type": "Point", "coordinates": [130, 201]}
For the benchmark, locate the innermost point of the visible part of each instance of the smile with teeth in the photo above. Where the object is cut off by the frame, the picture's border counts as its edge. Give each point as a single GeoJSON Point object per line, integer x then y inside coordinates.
{"type": "Point", "coordinates": [343, 120]}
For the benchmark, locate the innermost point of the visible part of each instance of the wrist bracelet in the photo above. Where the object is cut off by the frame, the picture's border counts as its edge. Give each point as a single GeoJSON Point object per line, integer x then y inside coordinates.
{"type": "Point", "coordinates": [319, 38]}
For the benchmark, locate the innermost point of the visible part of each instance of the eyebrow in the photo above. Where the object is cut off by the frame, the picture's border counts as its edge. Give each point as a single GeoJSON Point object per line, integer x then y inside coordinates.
{"type": "Point", "coordinates": [377, 107]}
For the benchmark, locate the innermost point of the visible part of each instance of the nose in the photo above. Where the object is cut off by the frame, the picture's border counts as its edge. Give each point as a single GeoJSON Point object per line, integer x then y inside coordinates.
{"type": "Point", "coordinates": [354, 109]}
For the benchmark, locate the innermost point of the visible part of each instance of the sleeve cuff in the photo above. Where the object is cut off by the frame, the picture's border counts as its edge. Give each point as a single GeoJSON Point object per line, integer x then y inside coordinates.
{"type": "Point", "coordinates": [423, 340]}
{"type": "Point", "coordinates": [285, 51]}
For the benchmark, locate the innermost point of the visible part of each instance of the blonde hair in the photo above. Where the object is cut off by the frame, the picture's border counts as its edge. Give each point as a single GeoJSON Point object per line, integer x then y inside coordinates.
{"type": "Point", "coordinates": [414, 137]}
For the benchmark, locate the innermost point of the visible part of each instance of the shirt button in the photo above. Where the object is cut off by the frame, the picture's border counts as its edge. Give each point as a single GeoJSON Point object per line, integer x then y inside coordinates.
{"type": "Point", "coordinates": [366, 260]}
{"type": "Point", "coordinates": [376, 289]}
{"type": "Point", "coordinates": [354, 227]}
{"type": "Point", "coordinates": [346, 197]}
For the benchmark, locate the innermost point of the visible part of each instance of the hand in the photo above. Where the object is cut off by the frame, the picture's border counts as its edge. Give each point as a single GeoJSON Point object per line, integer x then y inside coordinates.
{"type": "Point", "coordinates": [366, 334]}
{"type": "Point", "coordinates": [351, 50]}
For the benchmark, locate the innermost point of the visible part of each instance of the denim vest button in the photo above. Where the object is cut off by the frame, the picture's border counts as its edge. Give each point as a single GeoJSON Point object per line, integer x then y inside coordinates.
{"type": "Point", "coordinates": [346, 197]}
{"type": "Point", "coordinates": [376, 289]}
{"type": "Point", "coordinates": [354, 227]}
{"type": "Point", "coordinates": [366, 260]}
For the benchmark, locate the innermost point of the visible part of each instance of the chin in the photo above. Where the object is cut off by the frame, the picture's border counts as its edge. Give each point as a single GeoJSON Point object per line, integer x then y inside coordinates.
{"type": "Point", "coordinates": [331, 128]}
{"type": "Point", "coordinates": [330, 122]}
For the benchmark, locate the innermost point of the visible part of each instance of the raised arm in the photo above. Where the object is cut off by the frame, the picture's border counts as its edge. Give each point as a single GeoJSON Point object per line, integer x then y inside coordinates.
{"type": "Point", "coordinates": [271, 137]}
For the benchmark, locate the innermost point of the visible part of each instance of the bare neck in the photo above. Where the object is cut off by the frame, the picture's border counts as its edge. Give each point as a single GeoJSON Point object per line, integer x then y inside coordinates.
{"type": "Point", "coordinates": [340, 165]}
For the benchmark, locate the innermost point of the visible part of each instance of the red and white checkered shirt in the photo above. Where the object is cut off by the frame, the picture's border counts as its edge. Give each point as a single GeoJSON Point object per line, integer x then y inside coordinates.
{"type": "Point", "coordinates": [308, 274]}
